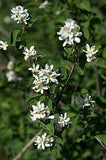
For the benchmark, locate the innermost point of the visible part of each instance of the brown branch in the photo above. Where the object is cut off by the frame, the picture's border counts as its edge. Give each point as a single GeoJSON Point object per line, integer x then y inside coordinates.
{"type": "Point", "coordinates": [70, 75]}
{"type": "Point", "coordinates": [97, 80]}
{"type": "Point", "coordinates": [20, 154]}
{"type": "Point", "coordinates": [23, 28]}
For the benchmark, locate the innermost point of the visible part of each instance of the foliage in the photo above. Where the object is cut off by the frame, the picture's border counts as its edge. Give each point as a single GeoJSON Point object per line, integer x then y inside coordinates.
{"type": "Point", "coordinates": [79, 140]}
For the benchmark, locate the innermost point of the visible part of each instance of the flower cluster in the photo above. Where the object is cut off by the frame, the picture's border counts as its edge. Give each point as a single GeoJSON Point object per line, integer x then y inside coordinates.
{"type": "Point", "coordinates": [90, 52]}
{"type": "Point", "coordinates": [19, 14]}
{"type": "Point", "coordinates": [40, 111]}
{"type": "Point", "coordinates": [70, 33]}
{"type": "Point", "coordinates": [64, 120]}
{"type": "Point", "coordinates": [43, 5]}
{"type": "Point", "coordinates": [29, 52]}
{"type": "Point", "coordinates": [3, 45]}
{"type": "Point", "coordinates": [43, 77]}
{"type": "Point", "coordinates": [44, 141]}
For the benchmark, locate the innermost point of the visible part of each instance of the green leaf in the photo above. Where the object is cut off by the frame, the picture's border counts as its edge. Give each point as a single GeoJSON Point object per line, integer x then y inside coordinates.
{"type": "Point", "coordinates": [101, 139]}
{"type": "Point", "coordinates": [59, 140]}
{"type": "Point", "coordinates": [51, 127]}
{"type": "Point", "coordinates": [42, 98]}
{"type": "Point", "coordinates": [79, 69]}
{"type": "Point", "coordinates": [100, 63]}
{"type": "Point", "coordinates": [33, 20]}
{"type": "Point", "coordinates": [13, 37]}
{"type": "Point", "coordinates": [81, 65]}
{"type": "Point", "coordinates": [84, 91]}
{"type": "Point", "coordinates": [49, 104]}
{"type": "Point", "coordinates": [63, 73]}
{"type": "Point", "coordinates": [53, 88]}
{"type": "Point", "coordinates": [85, 29]}
{"type": "Point", "coordinates": [68, 50]}
{"type": "Point", "coordinates": [84, 5]}
{"type": "Point", "coordinates": [104, 53]}
{"type": "Point", "coordinates": [33, 97]}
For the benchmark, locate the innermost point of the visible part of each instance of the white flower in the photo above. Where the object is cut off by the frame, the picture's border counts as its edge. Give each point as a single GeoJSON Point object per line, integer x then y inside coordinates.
{"type": "Point", "coordinates": [20, 15]}
{"type": "Point", "coordinates": [44, 141]}
{"type": "Point", "coordinates": [29, 52]}
{"type": "Point", "coordinates": [48, 74]}
{"type": "Point", "coordinates": [37, 80]}
{"type": "Point", "coordinates": [87, 101]}
{"type": "Point", "coordinates": [64, 120]}
{"type": "Point", "coordinates": [69, 33]}
{"type": "Point", "coordinates": [34, 69]}
{"type": "Point", "coordinates": [43, 77]}
{"type": "Point", "coordinates": [11, 76]}
{"type": "Point", "coordinates": [51, 78]}
{"type": "Point", "coordinates": [90, 52]}
{"type": "Point", "coordinates": [40, 88]}
{"type": "Point", "coordinates": [3, 45]}
{"type": "Point", "coordinates": [46, 70]}
{"type": "Point", "coordinates": [40, 111]}
{"type": "Point", "coordinates": [43, 5]}
{"type": "Point", "coordinates": [10, 65]}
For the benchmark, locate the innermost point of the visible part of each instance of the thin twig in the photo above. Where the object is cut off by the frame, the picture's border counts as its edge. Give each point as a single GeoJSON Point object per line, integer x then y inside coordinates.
{"type": "Point", "coordinates": [23, 28]}
{"type": "Point", "coordinates": [73, 67]}
{"type": "Point", "coordinates": [20, 154]}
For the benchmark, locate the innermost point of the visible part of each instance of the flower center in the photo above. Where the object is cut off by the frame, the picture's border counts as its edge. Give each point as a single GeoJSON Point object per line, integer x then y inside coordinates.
{"type": "Point", "coordinates": [62, 119]}
{"type": "Point", "coordinates": [41, 87]}
{"type": "Point", "coordinates": [29, 52]}
{"type": "Point", "coordinates": [90, 52]}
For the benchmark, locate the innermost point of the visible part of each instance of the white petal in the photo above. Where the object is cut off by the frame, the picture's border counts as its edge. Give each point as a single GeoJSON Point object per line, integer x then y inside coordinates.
{"type": "Point", "coordinates": [77, 39]}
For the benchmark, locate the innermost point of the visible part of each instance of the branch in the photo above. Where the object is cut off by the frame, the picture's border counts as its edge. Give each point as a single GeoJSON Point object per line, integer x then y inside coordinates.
{"type": "Point", "coordinates": [23, 28]}
{"type": "Point", "coordinates": [70, 75]}
{"type": "Point", "coordinates": [20, 154]}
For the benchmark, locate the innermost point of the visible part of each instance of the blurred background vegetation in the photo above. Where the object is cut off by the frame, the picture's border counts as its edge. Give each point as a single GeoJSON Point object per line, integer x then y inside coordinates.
{"type": "Point", "coordinates": [16, 128]}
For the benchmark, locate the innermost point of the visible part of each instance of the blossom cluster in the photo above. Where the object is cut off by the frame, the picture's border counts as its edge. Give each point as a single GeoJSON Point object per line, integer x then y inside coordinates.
{"type": "Point", "coordinates": [43, 76]}
{"type": "Point", "coordinates": [3, 45]}
{"type": "Point", "coordinates": [40, 111]}
{"type": "Point", "coordinates": [69, 33]}
{"type": "Point", "coordinates": [42, 79]}
{"type": "Point", "coordinates": [19, 14]}
{"type": "Point", "coordinates": [44, 141]}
